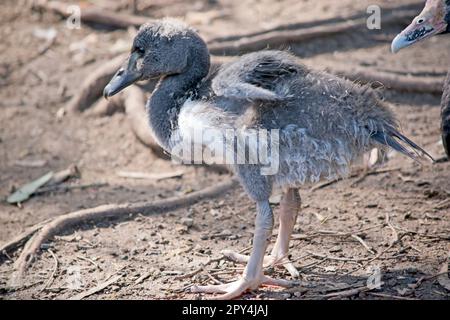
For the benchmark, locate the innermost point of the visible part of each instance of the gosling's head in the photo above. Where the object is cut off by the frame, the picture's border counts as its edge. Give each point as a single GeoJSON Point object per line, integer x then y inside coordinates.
{"type": "Point", "coordinates": [433, 20]}
{"type": "Point", "coordinates": [162, 48]}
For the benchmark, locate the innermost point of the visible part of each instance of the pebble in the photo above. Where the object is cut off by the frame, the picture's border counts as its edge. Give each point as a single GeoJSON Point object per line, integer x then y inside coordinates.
{"type": "Point", "coordinates": [188, 222]}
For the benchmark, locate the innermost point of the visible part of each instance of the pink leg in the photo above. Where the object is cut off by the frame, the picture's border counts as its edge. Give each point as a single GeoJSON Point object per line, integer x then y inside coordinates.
{"type": "Point", "coordinates": [289, 208]}
{"type": "Point", "coordinates": [253, 275]}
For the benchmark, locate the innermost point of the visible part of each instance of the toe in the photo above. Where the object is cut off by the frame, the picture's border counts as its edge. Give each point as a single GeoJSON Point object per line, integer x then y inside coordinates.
{"type": "Point", "coordinates": [234, 256]}
{"type": "Point", "coordinates": [221, 288]}
{"type": "Point", "coordinates": [278, 282]}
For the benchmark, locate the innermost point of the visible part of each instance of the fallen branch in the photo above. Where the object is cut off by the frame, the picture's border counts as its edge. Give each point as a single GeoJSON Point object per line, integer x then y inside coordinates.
{"type": "Point", "coordinates": [134, 103]}
{"type": "Point", "coordinates": [52, 276]}
{"type": "Point", "coordinates": [355, 175]}
{"type": "Point", "coordinates": [111, 211]}
{"type": "Point", "coordinates": [390, 297]}
{"type": "Point", "coordinates": [66, 188]}
{"type": "Point", "coordinates": [198, 270]}
{"type": "Point", "coordinates": [92, 14]}
{"type": "Point", "coordinates": [392, 81]}
{"type": "Point", "coordinates": [19, 240]}
{"type": "Point", "coordinates": [286, 34]}
{"type": "Point", "coordinates": [150, 176]}
{"type": "Point", "coordinates": [94, 84]}
{"type": "Point", "coordinates": [97, 288]}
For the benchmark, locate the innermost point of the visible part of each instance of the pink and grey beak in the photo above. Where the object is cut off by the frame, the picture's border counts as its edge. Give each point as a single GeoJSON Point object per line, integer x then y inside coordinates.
{"type": "Point", "coordinates": [431, 21]}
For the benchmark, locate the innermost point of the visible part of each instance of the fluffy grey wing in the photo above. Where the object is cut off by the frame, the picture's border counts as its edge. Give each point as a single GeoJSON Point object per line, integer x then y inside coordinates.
{"type": "Point", "coordinates": [256, 77]}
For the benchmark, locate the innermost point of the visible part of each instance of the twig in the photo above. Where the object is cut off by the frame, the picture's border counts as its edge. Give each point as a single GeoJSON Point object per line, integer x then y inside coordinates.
{"type": "Point", "coordinates": [150, 176]}
{"type": "Point", "coordinates": [198, 270]}
{"type": "Point", "coordinates": [356, 260]}
{"type": "Point", "coordinates": [90, 261]}
{"type": "Point", "coordinates": [345, 293]}
{"type": "Point", "coordinates": [144, 277]}
{"type": "Point", "coordinates": [391, 81]}
{"type": "Point", "coordinates": [52, 277]}
{"type": "Point", "coordinates": [430, 236]}
{"type": "Point", "coordinates": [18, 241]}
{"type": "Point", "coordinates": [92, 86]}
{"type": "Point", "coordinates": [355, 175]}
{"type": "Point", "coordinates": [394, 231]}
{"type": "Point", "coordinates": [332, 233]}
{"type": "Point", "coordinates": [96, 289]}
{"type": "Point", "coordinates": [213, 279]}
{"type": "Point", "coordinates": [126, 211]}
{"type": "Point", "coordinates": [297, 33]}
{"type": "Point", "coordinates": [134, 103]}
{"type": "Point", "coordinates": [65, 188]}
{"type": "Point", "coordinates": [93, 14]}
{"type": "Point", "coordinates": [384, 295]}
{"type": "Point", "coordinates": [427, 278]}
{"type": "Point", "coordinates": [363, 243]}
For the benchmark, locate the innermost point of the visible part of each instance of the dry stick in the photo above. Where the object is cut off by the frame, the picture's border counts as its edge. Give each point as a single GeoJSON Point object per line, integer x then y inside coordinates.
{"type": "Point", "coordinates": [430, 236]}
{"type": "Point", "coordinates": [18, 241]}
{"type": "Point", "coordinates": [394, 231]}
{"type": "Point", "coordinates": [94, 84]}
{"type": "Point", "coordinates": [93, 14]}
{"type": "Point", "coordinates": [392, 81]}
{"type": "Point", "coordinates": [383, 295]}
{"type": "Point", "coordinates": [65, 188]}
{"type": "Point", "coordinates": [97, 288]}
{"type": "Point", "coordinates": [355, 175]}
{"type": "Point", "coordinates": [52, 277]}
{"type": "Point", "coordinates": [363, 243]}
{"type": "Point", "coordinates": [331, 233]}
{"type": "Point", "coordinates": [134, 102]}
{"type": "Point", "coordinates": [126, 211]}
{"type": "Point", "coordinates": [203, 266]}
{"type": "Point", "coordinates": [200, 269]}
{"type": "Point", "coordinates": [355, 260]}
{"type": "Point", "coordinates": [277, 37]}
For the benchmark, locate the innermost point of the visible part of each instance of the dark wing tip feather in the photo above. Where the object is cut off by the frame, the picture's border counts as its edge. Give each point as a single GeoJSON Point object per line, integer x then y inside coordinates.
{"type": "Point", "coordinates": [401, 143]}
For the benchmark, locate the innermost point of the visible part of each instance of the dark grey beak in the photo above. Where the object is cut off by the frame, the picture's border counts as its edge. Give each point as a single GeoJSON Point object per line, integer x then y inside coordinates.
{"type": "Point", "coordinates": [123, 78]}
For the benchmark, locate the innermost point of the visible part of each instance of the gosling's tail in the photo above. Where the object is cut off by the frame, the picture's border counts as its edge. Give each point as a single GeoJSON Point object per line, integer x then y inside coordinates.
{"type": "Point", "coordinates": [397, 141]}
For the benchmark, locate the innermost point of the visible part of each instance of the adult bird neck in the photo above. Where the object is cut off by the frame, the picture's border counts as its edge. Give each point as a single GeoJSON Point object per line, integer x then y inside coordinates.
{"type": "Point", "coordinates": [171, 92]}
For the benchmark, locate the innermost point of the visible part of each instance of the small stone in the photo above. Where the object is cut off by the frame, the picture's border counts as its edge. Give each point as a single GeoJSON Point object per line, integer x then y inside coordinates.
{"type": "Point", "coordinates": [188, 222]}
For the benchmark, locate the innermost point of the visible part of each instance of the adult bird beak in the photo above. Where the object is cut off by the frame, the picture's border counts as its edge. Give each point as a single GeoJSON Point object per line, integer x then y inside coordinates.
{"type": "Point", "coordinates": [429, 22]}
{"type": "Point", "coordinates": [123, 78]}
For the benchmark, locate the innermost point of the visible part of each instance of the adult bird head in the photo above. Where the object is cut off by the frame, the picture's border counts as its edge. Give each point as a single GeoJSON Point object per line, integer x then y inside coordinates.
{"type": "Point", "coordinates": [434, 19]}
{"type": "Point", "coordinates": [160, 49]}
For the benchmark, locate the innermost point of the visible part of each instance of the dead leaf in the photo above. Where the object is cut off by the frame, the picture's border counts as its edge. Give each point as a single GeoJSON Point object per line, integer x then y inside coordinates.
{"type": "Point", "coordinates": [26, 191]}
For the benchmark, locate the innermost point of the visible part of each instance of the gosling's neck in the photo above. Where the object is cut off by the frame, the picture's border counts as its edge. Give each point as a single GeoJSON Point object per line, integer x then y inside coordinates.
{"type": "Point", "coordinates": [170, 94]}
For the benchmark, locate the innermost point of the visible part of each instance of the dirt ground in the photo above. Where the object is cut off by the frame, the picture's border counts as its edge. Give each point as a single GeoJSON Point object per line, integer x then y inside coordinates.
{"type": "Point", "coordinates": [151, 252]}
